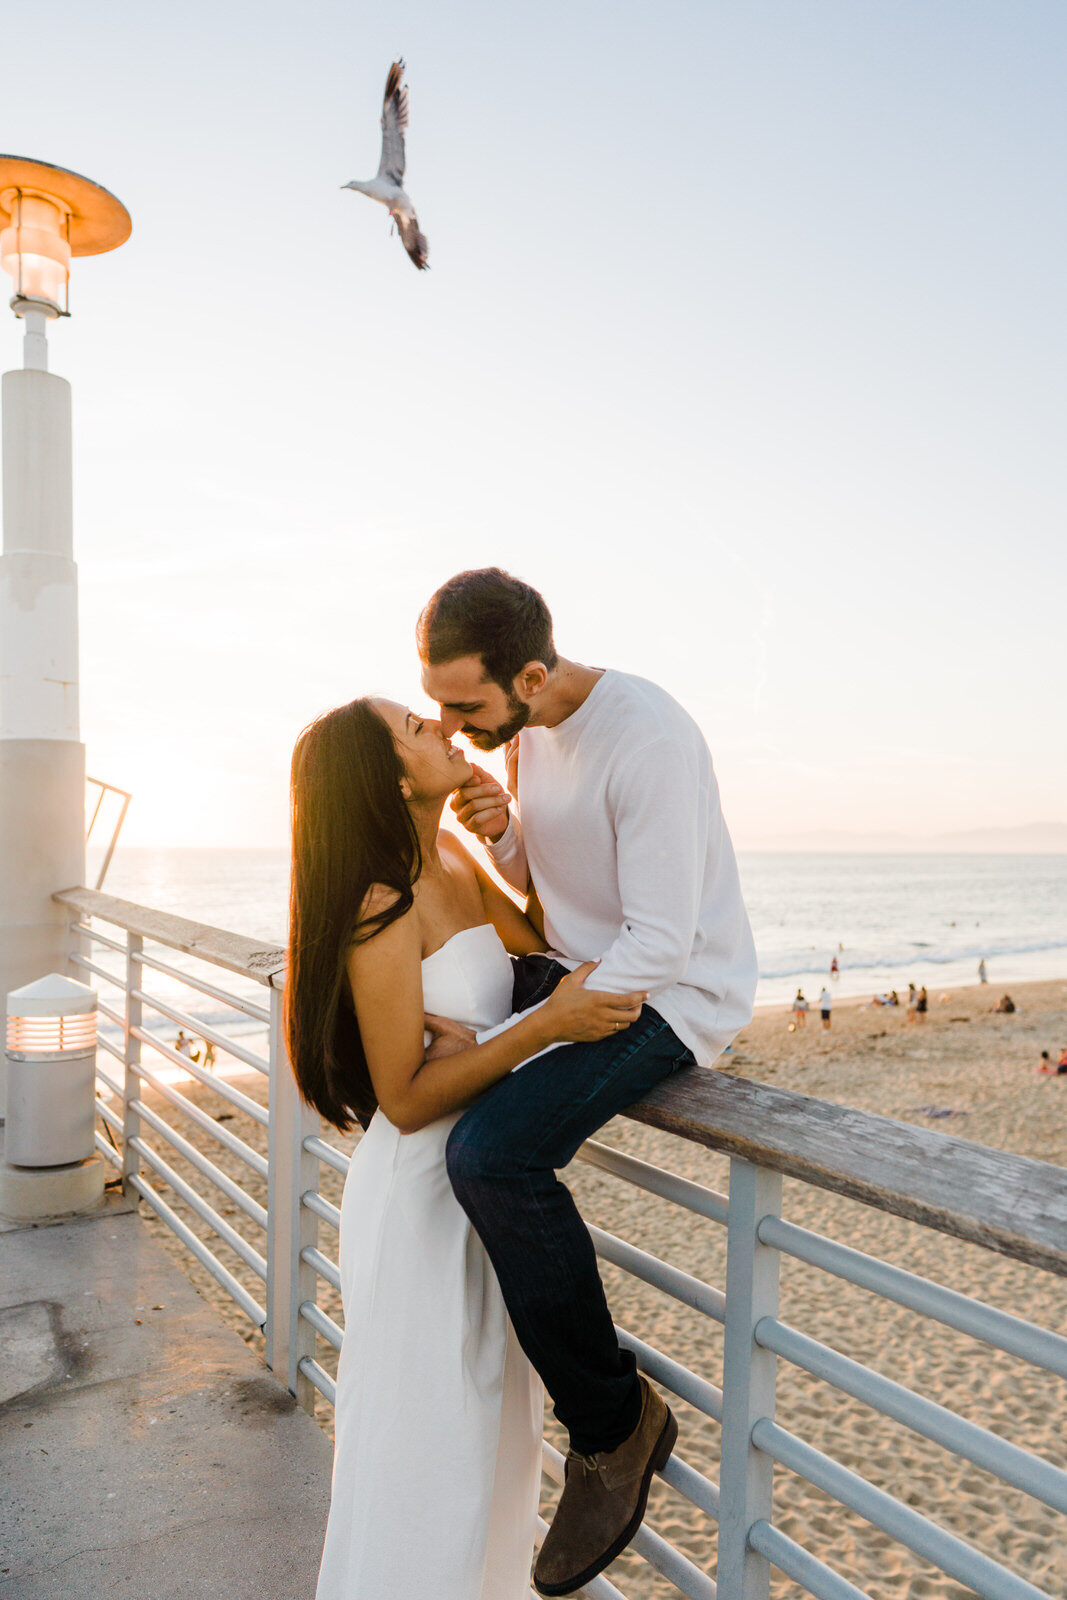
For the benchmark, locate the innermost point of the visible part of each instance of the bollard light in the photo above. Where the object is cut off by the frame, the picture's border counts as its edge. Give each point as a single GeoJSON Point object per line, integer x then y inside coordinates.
{"type": "Point", "coordinates": [51, 1073]}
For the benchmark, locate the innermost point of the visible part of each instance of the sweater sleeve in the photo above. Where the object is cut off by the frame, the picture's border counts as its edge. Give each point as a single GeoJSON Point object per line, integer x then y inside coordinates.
{"type": "Point", "coordinates": [664, 801]}
{"type": "Point", "coordinates": [508, 855]}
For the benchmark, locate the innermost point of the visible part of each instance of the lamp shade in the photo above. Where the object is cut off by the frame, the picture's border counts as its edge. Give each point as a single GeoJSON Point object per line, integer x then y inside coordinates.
{"type": "Point", "coordinates": [35, 248]}
{"type": "Point", "coordinates": [51, 1020]}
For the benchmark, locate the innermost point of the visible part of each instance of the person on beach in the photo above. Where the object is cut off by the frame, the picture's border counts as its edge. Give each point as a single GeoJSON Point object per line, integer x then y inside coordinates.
{"type": "Point", "coordinates": [623, 843]}
{"type": "Point", "coordinates": [922, 1003]}
{"type": "Point", "coordinates": [835, 970]}
{"type": "Point", "coordinates": [438, 1417]}
{"type": "Point", "coordinates": [826, 1003]}
{"type": "Point", "coordinates": [983, 976]}
{"type": "Point", "coordinates": [912, 1013]}
{"type": "Point", "coordinates": [800, 1010]}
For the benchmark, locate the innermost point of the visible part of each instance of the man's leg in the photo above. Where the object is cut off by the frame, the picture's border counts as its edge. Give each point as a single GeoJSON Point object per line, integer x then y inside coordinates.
{"type": "Point", "coordinates": [502, 1156]}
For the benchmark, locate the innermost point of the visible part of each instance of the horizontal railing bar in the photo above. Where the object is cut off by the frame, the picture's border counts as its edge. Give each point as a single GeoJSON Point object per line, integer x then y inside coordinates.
{"type": "Point", "coordinates": [323, 1325]}
{"type": "Point", "coordinates": [673, 1376]}
{"type": "Point", "coordinates": [249, 1007]}
{"type": "Point", "coordinates": [117, 1017]}
{"type": "Point", "coordinates": [693, 1196]}
{"type": "Point", "coordinates": [99, 972]}
{"type": "Point", "coordinates": [323, 1265]}
{"type": "Point", "coordinates": [217, 1085]}
{"type": "Point", "coordinates": [206, 1212]}
{"type": "Point", "coordinates": [237, 1291]}
{"type": "Point", "coordinates": [109, 1083]}
{"type": "Point", "coordinates": [327, 1154]}
{"type": "Point", "coordinates": [947, 1552]}
{"type": "Point", "coordinates": [236, 1146]}
{"type": "Point", "coordinates": [98, 938]}
{"type": "Point", "coordinates": [185, 1020]}
{"type": "Point", "coordinates": [107, 1115]}
{"type": "Point", "coordinates": [1039, 1346]}
{"type": "Point", "coordinates": [693, 1486]}
{"type": "Point", "coordinates": [252, 1209]}
{"type": "Point", "coordinates": [111, 1049]}
{"type": "Point", "coordinates": [598, 1588]}
{"type": "Point", "coordinates": [106, 1148]}
{"type": "Point", "coordinates": [319, 1378]}
{"type": "Point", "coordinates": [671, 1280]}
{"type": "Point", "coordinates": [320, 1207]}
{"type": "Point", "coordinates": [678, 1569]}
{"type": "Point", "coordinates": [216, 946]}
{"type": "Point", "coordinates": [983, 1449]}
{"type": "Point", "coordinates": [800, 1565]}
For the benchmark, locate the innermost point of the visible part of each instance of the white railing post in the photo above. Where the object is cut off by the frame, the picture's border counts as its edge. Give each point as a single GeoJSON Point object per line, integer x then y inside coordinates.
{"type": "Point", "coordinates": [291, 1227]}
{"type": "Point", "coordinates": [131, 1082]}
{"type": "Point", "coordinates": [745, 1480]}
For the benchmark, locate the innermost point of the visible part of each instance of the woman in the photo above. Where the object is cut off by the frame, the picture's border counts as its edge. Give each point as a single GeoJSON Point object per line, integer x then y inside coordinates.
{"type": "Point", "coordinates": [438, 1416]}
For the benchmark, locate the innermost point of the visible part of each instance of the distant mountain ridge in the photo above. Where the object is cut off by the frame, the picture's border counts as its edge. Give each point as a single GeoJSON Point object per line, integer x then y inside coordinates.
{"type": "Point", "coordinates": [1030, 838]}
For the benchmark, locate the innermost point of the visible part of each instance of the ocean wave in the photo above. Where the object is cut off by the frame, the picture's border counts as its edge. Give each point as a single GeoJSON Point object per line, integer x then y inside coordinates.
{"type": "Point", "coordinates": [798, 964]}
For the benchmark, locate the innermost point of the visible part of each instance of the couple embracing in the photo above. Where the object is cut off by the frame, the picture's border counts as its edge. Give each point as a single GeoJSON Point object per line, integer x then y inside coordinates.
{"type": "Point", "coordinates": [468, 1278]}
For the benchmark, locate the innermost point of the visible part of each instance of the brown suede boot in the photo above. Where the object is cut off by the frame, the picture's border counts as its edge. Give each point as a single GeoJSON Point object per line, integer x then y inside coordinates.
{"type": "Point", "coordinates": [603, 1501]}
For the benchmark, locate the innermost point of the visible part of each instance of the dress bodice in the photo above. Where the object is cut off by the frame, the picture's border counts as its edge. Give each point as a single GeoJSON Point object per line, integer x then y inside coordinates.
{"type": "Point", "coordinates": [469, 978]}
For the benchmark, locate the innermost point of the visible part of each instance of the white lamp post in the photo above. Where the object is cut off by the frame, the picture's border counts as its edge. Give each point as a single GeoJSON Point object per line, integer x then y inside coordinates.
{"type": "Point", "coordinates": [47, 216]}
{"type": "Point", "coordinates": [50, 1166]}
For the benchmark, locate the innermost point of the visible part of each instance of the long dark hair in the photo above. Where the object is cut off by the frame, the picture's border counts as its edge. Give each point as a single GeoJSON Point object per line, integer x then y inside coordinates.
{"type": "Point", "coordinates": [351, 829]}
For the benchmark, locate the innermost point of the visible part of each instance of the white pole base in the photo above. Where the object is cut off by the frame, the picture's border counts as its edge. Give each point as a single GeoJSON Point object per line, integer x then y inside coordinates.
{"type": "Point", "coordinates": [36, 1194]}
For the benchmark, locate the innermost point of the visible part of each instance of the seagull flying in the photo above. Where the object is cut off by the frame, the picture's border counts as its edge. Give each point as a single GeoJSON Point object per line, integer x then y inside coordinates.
{"type": "Point", "coordinates": [388, 187]}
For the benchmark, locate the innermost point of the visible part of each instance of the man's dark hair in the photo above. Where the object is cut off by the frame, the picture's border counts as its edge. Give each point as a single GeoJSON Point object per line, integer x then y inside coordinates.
{"type": "Point", "coordinates": [490, 614]}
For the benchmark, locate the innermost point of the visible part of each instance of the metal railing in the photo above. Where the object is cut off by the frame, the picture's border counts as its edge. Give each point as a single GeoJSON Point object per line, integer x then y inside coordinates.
{"type": "Point", "coordinates": [998, 1201]}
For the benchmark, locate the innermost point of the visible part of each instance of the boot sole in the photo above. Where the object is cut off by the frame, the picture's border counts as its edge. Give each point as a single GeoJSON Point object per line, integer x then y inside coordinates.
{"type": "Point", "coordinates": [657, 1461]}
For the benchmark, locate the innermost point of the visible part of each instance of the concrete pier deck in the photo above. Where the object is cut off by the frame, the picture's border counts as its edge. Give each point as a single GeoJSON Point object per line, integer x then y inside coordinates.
{"type": "Point", "coordinates": [145, 1452]}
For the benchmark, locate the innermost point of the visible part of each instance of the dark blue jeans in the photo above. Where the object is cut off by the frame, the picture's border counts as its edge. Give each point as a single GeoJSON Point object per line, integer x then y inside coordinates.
{"type": "Point", "coordinates": [502, 1155]}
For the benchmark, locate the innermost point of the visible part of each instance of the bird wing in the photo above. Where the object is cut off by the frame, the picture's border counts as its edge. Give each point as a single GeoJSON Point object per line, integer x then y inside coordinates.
{"type": "Point", "coordinates": [394, 121]}
{"type": "Point", "coordinates": [415, 243]}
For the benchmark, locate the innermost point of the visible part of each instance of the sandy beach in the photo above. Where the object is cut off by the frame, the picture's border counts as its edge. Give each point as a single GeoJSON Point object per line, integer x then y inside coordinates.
{"type": "Point", "coordinates": [964, 1071]}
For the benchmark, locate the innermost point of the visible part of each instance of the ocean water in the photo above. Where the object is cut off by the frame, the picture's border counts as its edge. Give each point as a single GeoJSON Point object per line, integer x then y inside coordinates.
{"type": "Point", "coordinates": [889, 919]}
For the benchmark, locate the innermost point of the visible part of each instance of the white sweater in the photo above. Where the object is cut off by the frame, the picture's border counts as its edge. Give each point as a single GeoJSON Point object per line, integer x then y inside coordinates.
{"type": "Point", "coordinates": [621, 827]}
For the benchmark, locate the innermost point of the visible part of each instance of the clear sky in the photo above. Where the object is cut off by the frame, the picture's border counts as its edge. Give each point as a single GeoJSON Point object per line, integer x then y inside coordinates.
{"type": "Point", "coordinates": [743, 341]}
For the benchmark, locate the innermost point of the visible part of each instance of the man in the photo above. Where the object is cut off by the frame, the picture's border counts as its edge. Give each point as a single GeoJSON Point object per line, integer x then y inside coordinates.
{"type": "Point", "coordinates": [623, 842]}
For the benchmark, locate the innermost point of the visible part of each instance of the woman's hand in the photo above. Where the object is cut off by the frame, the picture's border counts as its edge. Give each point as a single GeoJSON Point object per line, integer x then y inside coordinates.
{"type": "Point", "coordinates": [577, 1014]}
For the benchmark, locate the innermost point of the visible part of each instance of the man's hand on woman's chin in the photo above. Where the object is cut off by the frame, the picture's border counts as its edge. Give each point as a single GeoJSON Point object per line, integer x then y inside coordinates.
{"type": "Point", "coordinates": [482, 806]}
{"type": "Point", "coordinates": [449, 1037]}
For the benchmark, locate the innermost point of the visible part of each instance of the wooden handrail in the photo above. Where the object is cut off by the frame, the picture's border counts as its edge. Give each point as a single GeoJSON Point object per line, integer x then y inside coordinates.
{"type": "Point", "coordinates": [1008, 1203]}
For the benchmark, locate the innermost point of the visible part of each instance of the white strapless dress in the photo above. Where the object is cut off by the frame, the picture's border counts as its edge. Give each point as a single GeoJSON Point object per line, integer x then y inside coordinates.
{"type": "Point", "coordinates": [437, 1457]}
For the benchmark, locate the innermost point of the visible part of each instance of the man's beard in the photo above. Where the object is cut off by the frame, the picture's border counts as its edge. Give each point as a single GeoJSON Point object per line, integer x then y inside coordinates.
{"type": "Point", "coordinates": [493, 738]}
